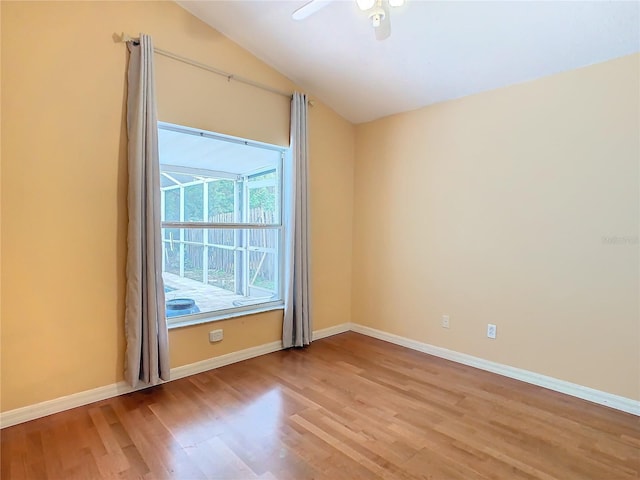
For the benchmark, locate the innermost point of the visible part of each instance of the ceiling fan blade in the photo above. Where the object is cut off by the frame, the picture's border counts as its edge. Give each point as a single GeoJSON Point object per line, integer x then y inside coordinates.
{"type": "Point", "coordinates": [384, 30]}
{"type": "Point", "coordinates": [309, 9]}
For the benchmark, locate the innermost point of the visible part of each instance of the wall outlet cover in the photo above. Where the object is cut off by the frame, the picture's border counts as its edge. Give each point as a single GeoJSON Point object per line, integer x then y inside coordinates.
{"type": "Point", "coordinates": [215, 335]}
{"type": "Point", "coordinates": [492, 330]}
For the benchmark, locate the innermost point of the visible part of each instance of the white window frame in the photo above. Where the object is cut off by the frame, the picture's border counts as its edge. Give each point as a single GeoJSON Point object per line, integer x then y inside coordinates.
{"type": "Point", "coordinates": [204, 317]}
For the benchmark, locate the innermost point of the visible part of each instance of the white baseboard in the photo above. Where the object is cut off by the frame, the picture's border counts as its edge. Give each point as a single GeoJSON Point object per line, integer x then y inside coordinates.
{"type": "Point", "coordinates": [596, 396]}
{"type": "Point", "coordinates": [42, 409]}
{"type": "Point", "coordinates": [335, 330]}
{"type": "Point", "coordinates": [222, 360]}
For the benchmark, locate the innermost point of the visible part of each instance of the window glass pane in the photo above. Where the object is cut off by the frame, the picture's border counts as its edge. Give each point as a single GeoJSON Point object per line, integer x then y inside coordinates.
{"type": "Point", "coordinates": [172, 205]}
{"type": "Point", "coordinates": [221, 201]}
{"type": "Point", "coordinates": [263, 238]}
{"type": "Point", "coordinates": [262, 274]}
{"type": "Point", "coordinates": [207, 270]}
{"type": "Point", "coordinates": [192, 255]}
{"type": "Point", "coordinates": [220, 180]}
{"type": "Point", "coordinates": [206, 177]}
{"type": "Point", "coordinates": [267, 175]}
{"type": "Point", "coordinates": [193, 203]}
{"type": "Point", "coordinates": [263, 205]}
{"type": "Point", "coordinates": [223, 237]}
{"type": "Point", "coordinates": [263, 261]}
{"type": "Point", "coordinates": [222, 265]}
{"type": "Point", "coordinates": [264, 197]}
{"type": "Point", "coordinates": [171, 249]}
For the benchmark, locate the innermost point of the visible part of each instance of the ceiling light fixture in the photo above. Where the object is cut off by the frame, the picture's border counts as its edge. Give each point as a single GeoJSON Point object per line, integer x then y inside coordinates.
{"type": "Point", "coordinates": [365, 5]}
{"type": "Point", "coordinates": [376, 16]}
{"type": "Point", "coordinates": [376, 10]}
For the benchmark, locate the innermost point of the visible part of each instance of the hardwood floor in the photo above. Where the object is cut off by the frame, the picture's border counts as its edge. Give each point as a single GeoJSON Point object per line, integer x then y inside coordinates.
{"type": "Point", "coordinates": [347, 407]}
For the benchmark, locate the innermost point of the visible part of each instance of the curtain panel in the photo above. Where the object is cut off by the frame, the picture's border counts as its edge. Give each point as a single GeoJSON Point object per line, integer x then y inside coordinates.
{"type": "Point", "coordinates": [147, 354]}
{"type": "Point", "coordinates": [297, 325]}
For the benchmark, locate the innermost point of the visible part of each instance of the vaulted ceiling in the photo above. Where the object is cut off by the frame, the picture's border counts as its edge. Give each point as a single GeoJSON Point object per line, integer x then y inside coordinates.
{"type": "Point", "coordinates": [438, 50]}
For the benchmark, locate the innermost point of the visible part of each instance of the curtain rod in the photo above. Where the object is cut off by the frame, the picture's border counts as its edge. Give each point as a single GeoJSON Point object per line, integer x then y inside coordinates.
{"type": "Point", "coordinates": [124, 38]}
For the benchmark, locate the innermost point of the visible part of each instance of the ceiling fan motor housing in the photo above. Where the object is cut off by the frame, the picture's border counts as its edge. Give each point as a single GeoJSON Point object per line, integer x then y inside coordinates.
{"type": "Point", "coordinates": [376, 16]}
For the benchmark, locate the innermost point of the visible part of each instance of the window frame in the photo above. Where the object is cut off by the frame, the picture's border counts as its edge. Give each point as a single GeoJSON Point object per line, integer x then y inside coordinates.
{"type": "Point", "coordinates": [245, 249]}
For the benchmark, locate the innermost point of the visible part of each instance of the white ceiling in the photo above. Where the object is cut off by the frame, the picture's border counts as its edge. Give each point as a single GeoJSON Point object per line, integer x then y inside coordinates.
{"type": "Point", "coordinates": [438, 50]}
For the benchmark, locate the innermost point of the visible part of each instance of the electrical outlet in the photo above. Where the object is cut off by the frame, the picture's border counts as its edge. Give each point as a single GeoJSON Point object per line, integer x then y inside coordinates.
{"type": "Point", "coordinates": [215, 335]}
{"type": "Point", "coordinates": [492, 330]}
{"type": "Point", "coordinates": [445, 321]}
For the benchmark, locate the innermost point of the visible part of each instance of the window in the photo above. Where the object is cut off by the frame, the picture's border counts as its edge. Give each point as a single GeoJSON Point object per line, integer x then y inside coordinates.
{"type": "Point", "coordinates": [222, 236]}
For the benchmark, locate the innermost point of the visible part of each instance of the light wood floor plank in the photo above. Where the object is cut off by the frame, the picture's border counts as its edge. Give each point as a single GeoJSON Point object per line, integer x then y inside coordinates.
{"type": "Point", "coordinates": [347, 407]}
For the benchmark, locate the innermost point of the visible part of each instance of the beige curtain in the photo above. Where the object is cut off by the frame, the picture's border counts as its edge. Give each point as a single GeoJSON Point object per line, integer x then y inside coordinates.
{"type": "Point", "coordinates": [147, 355]}
{"type": "Point", "coordinates": [297, 325]}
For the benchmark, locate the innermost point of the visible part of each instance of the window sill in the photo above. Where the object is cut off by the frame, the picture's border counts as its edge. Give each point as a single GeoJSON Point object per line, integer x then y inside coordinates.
{"type": "Point", "coordinates": [187, 322]}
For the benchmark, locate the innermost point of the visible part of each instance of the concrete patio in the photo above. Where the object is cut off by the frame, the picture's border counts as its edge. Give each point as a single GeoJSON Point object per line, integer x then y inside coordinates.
{"type": "Point", "coordinates": [207, 297]}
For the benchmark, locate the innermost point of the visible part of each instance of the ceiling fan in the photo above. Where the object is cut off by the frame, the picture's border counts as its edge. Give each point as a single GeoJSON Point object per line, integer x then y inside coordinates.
{"type": "Point", "coordinates": [377, 11]}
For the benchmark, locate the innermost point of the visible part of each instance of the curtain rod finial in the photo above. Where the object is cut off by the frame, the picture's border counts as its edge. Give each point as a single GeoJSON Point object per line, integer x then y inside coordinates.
{"type": "Point", "coordinates": [123, 37]}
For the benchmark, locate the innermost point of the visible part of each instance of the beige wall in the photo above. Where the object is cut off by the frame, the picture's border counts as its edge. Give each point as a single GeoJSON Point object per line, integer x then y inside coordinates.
{"type": "Point", "coordinates": [64, 186]}
{"type": "Point", "coordinates": [493, 209]}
